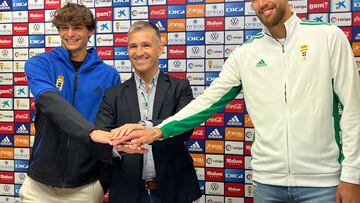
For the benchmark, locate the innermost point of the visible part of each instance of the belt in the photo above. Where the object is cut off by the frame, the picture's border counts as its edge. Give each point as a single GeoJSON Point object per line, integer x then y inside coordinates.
{"type": "Point", "coordinates": [149, 184]}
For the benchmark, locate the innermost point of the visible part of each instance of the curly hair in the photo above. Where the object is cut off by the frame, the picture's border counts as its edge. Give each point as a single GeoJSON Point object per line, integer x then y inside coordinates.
{"type": "Point", "coordinates": [74, 14]}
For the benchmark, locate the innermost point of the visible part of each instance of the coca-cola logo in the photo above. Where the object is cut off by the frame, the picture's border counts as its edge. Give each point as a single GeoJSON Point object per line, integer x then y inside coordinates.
{"type": "Point", "coordinates": [22, 116]}
{"type": "Point", "coordinates": [120, 40]}
{"type": "Point", "coordinates": [234, 106]}
{"type": "Point", "coordinates": [198, 132]}
{"type": "Point", "coordinates": [158, 12]}
{"type": "Point", "coordinates": [105, 53]}
{"type": "Point", "coordinates": [6, 128]}
{"type": "Point", "coordinates": [216, 120]}
{"type": "Point", "coordinates": [357, 19]}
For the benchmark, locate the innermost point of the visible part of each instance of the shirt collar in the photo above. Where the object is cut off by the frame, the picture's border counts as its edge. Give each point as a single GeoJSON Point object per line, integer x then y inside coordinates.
{"type": "Point", "coordinates": [140, 82]}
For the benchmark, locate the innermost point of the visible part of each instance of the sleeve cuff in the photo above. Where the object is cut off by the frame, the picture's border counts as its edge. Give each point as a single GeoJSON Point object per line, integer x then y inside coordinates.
{"type": "Point", "coordinates": [148, 124]}
{"type": "Point", "coordinates": [115, 153]}
{"type": "Point", "coordinates": [350, 175]}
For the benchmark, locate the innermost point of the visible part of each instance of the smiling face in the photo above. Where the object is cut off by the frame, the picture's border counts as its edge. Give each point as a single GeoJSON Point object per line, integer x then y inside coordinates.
{"type": "Point", "coordinates": [271, 12]}
{"type": "Point", "coordinates": [144, 51]}
{"type": "Point", "coordinates": [75, 38]}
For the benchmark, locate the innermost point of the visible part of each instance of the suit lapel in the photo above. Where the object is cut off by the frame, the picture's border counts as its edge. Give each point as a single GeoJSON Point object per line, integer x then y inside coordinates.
{"type": "Point", "coordinates": [161, 90]}
{"type": "Point", "coordinates": [132, 100]}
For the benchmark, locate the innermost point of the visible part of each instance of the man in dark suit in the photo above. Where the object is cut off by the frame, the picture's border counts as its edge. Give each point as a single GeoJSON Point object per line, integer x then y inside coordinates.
{"type": "Point", "coordinates": [166, 172]}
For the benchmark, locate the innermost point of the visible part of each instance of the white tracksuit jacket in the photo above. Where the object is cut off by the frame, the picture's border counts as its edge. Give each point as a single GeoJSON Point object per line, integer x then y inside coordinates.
{"type": "Point", "coordinates": [289, 91]}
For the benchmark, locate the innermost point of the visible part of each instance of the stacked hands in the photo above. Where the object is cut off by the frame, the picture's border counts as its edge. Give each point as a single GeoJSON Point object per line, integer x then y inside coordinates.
{"type": "Point", "coordinates": [129, 138]}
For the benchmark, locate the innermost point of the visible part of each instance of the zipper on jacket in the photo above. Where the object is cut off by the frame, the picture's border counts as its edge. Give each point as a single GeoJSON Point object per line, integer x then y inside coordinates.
{"type": "Point", "coordinates": [286, 109]}
{"type": "Point", "coordinates": [68, 139]}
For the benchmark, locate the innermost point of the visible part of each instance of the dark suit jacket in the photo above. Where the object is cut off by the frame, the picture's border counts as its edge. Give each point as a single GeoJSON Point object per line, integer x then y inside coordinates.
{"type": "Point", "coordinates": [174, 167]}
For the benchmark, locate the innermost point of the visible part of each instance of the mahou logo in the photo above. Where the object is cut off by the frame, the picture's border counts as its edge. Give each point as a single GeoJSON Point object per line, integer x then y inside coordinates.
{"type": "Point", "coordinates": [7, 177]}
{"type": "Point", "coordinates": [158, 12]}
{"type": "Point", "coordinates": [234, 189]}
{"type": "Point", "coordinates": [176, 52]}
{"type": "Point", "coordinates": [20, 29]}
{"type": "Point", "coordinates": [214, 24]}
{"type": "Point", "coordinates": [214, 174]}
{"type": "Point", "coordinates": [105, 52]}
{"type": "Point", "coordinates": [6, 42]}
{"type": "Point", "coordinates": [103, 13]}
{"type": "Point", "coordinates": [36, 16]}
{"type": "Point", "coordinates": [198, 133]}
{"type": "Point", "coordinates": [52, 4]}
{"type": "Point", "coordinates": [235, 106]}
{"type": "Point", "coordinates": [215, 120]}
{"type": "Point", "coordinates": [232, 161]}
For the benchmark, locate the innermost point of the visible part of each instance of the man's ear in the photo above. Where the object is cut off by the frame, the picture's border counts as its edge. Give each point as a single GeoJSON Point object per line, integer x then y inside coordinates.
{"type": "Point", "coordinates": [91, 32]}
{"type": "Point", "coordinates": [161, 49]}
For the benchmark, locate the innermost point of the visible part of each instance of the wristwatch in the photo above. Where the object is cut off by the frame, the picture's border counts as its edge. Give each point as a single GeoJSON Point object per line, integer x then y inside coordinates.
{"type": "Point", "coordinates": [143, 123]}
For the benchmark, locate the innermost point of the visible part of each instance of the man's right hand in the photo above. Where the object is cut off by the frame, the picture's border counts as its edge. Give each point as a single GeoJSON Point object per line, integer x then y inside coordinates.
{"type": "Point", "coordinates": [131, 149]}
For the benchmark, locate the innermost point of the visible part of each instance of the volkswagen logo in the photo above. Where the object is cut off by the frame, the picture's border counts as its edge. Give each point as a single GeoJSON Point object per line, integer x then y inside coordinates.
{"type": "Point", "coordinates": [234, 21]}
{"type": "Point", "coordinates": [4, 52]}
{"type": "Point", "coordinates": [214, 36]}
{"type": "Point", "coordinates": [20, 40]}
{"type": "Point", "coordinates": [177, 64]}
{"type": "Point", "coordinates": [214, 186]}
{"type": "Point", "coordinates": [195, 50]}
{"type": "Point", "coordinates": [36, 27]}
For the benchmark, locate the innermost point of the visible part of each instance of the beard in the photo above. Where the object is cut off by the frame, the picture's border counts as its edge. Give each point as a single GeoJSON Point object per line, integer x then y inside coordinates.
{"type": "Point", "coordinates": [276, 19]}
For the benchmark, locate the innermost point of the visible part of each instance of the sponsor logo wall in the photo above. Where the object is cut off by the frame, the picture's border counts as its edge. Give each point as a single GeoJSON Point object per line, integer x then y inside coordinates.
{"type": "Point", "coordinates": [198, 36]}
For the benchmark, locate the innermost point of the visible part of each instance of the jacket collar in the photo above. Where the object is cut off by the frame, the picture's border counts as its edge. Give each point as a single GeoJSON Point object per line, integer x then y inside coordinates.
{"type": "Point", "coordinates": [290, 25]}
{"type": "Point", "coordinates": [92, 59]}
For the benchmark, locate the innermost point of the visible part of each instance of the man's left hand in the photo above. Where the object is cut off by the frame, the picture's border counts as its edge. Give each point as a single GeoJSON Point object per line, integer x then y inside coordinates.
{"type": "Point", "coordinates": [348, 193]}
